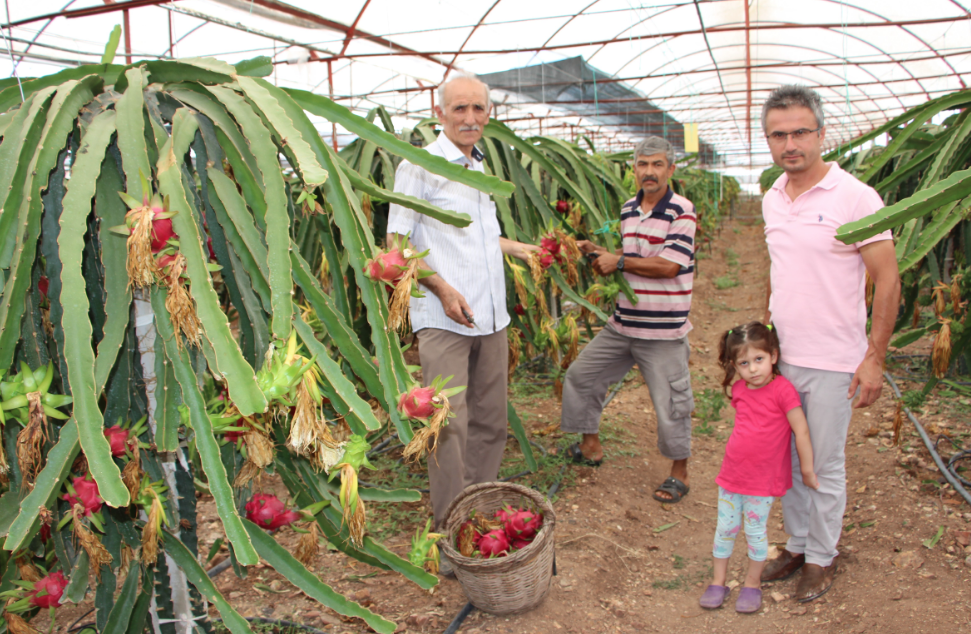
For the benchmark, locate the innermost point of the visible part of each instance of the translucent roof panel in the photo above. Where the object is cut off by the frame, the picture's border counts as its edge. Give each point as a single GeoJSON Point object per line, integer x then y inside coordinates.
{"type": "Point", "coordinates": [708, 62]}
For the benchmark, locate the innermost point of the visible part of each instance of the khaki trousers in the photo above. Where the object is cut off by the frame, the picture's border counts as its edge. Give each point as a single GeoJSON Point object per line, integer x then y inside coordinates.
{"type": "Point", "coordinates": [607, 359]}
{"type": "Point", "coordinates": [470, 447]}
{"type": "Point", "coordinates": [814, 518]}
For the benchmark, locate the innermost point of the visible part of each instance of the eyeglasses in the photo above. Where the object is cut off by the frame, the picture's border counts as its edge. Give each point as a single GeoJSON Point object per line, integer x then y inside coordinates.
{"type": "Point", "coordinates": [801, 134]}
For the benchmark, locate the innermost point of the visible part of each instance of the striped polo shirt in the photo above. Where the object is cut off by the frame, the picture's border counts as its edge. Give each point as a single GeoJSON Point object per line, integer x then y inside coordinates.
{"type": "Point", "coordinates": [668, 231]}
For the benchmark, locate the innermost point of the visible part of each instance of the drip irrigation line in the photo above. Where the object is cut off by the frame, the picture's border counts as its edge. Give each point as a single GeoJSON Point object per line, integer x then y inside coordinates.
{"type": "Point", "coordinates": [556, 485]}
{"type": "Point", "coordinates": [84, 626]}
{"type": "Point", "coordinates": [456, 623]}
{"type": "Point", "coordinates": [381, 445]}
{"type": "Point", "coordinates": [961, 455]}
{"type": "Point", "coordinates": [281, 623]}
{"type": "Point", "coordinates": [943, 468]}
{"type": "Point", "coordinates": [71, 628]}
{"type": "Point", "coordinates": [219, 568]}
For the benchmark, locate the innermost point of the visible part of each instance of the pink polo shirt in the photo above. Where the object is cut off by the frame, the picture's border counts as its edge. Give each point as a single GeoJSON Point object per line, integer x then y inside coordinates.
{"type": "Point", "coordinates": [818, 296]}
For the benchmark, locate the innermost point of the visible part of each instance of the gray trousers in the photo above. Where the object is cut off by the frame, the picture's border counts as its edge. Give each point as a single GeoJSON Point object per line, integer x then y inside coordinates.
{"type": "Point", "coordinates": [814, 518]}
{"type": "Point", "coordinates": [470, 447]}
{"type": "Point", "coordinates": [607, 359]}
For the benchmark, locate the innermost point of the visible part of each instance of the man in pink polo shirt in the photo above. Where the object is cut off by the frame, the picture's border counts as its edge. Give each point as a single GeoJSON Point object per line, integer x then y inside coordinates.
{"type": "Point", "coordinates": [816, 299]}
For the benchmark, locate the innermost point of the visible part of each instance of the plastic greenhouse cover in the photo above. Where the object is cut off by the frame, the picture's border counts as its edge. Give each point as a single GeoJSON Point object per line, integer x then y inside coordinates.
{"type": "Point", "coordinates": [707, 62]}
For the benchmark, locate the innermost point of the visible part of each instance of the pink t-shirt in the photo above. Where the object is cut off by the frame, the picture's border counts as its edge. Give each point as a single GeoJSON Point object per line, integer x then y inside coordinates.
{"type": "Point", "coordinates": [818, 283]}
{"type": "Point", "coordinates": [758, 457]}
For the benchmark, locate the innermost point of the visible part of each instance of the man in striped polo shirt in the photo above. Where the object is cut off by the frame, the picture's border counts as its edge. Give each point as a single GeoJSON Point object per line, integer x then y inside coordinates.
{"type": "Point", "coordinates": [657, 259]}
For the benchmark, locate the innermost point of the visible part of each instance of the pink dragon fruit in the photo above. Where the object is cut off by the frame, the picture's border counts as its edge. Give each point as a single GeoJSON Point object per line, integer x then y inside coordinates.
{"type": "Point", "coordinates": [86, 494]}
{"type": "Point", "coordinates": [53, 585]}
{"type": "Point", "coordinates": [523, 524]}
{"type": "Point", "coordinates": [417, 403]}
{"type": "Point", "coordinates": [267, 511]}
{"type": "Point", "coordinates": [494, 544]}
{"type": "Point", "coordinates": [118, 440]}
{"type": "Point", "coordinates": [388, 267]}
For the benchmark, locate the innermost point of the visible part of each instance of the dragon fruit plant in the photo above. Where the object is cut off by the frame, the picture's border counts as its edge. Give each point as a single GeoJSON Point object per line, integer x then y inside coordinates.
{"type": "Point", "coordinates": [193, 318]}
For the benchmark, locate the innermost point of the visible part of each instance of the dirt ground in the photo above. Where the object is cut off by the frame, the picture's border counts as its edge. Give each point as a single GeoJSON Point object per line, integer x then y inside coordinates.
{"type": "Point", "coordinates": [627, 563]}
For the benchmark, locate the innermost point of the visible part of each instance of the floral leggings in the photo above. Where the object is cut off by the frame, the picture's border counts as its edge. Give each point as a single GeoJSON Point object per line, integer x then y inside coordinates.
{"type": "Point", "coordinates": [733, 509]}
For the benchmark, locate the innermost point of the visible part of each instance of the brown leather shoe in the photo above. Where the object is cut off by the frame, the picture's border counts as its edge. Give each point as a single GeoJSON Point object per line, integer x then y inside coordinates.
{"type": "Point", "coordinates": [782, 567]}
{"type": "Point", "coordinates": [815, 582]}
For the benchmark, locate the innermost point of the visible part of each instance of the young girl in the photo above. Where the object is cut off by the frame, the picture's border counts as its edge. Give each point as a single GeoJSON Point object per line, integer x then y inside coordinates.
{"type": "Point", "coordinates": [758, 456]}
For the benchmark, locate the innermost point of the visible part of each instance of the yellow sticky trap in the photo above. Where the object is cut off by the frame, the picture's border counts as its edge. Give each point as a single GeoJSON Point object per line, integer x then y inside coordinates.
{"type": "Point", "coordinates": [690, 137]}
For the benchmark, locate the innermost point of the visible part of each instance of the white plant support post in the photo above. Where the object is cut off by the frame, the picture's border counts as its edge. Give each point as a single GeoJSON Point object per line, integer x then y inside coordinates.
{"type": "Point", "coordinates": [145, 333]}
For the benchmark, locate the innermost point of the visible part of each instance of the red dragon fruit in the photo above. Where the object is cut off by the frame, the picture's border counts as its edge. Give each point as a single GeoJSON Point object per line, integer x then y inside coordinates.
{"type": "Point", "coordinates": [417, 403]}
{"type": "Point", "coordinates": [388, 267]}
{"type": "Point", "coordinates": [162, 230]}
{"type": "Point", "coordinates": [519, 544]}
{"type": "Point", "coordinates": [562, 206]}
{"type": "Point", "coordinates": [504, 514]}
{"type": "Point", "coordinates": [43, 284]}
{"type": "Point", "coordinates": [523, 524]}
{"type": "Point", "coordinates": [546, 260]}
{"type": "Point", "coordinates": [47, 592]}
{"type": "Point", "coordinates": [518, 308]}
{"type": "Point", "coordinates": [86, 494]}
{"type": "Point", "coordinates": [494, 544]}
{"type": "Point", "coordinates": [550, 245]}
{"type": "Point", "coordinates": [267, 511]}
{"type": "Point", "coordinates": [118, 440]}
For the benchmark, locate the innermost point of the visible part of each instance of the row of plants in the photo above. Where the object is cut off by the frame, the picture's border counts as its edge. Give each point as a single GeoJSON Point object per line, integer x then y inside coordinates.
{"type": "Point", "coordinates": [194, 297]}
{"type": "Point", "coordinates": [923, 175]}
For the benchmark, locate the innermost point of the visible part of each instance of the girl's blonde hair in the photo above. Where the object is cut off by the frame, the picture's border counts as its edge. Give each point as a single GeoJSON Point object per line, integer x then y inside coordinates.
{"type": "Point", "coordinates": [754, 334]}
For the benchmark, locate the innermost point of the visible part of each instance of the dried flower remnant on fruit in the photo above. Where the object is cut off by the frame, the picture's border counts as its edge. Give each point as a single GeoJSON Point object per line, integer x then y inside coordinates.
{"type": "Point", "coordinates": [181, 307]}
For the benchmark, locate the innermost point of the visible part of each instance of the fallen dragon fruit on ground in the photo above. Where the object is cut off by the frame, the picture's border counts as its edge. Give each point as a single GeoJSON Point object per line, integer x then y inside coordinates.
{"type": "Point", "coordinates": [505, 532]}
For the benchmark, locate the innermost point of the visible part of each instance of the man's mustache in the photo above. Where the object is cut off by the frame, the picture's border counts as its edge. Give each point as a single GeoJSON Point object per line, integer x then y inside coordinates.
{"type": "Point", "coordinates": [791, 154]}
{"type": "Point", "coordinates": [652, 179]}
{"type": "Point", "coordinates": [469, 128]}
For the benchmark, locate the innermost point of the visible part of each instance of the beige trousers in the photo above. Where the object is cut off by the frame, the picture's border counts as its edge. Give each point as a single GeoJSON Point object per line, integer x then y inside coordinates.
{"type": "Point", "coordinates": [470, 447]}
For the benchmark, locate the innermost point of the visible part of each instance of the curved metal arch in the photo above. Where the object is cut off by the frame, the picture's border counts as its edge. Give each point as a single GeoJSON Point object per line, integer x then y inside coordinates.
{"type": "Point", "coordinates": [471, 33]}
{"type": "Point", "coordinates": [823, 52]}
{"type": "Point", "coordinates": [857, 107]}
{"type": "Point", "coordinates": [870, 44]}
{"type": "Point", "coordinates": [353, 29]}
{"type": "Point", "coordinates": [853, 120]}
{"type": "Point", "coordinates": [571, 19]}
{"type": "Point", "coordinates": [909, 32]}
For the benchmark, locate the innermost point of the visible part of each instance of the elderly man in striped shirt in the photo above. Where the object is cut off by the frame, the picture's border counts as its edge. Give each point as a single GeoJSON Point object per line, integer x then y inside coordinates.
{"type": "Point", "coordinates": [461, 323]}
{"type": "Point", "coordinates": [657, 260]}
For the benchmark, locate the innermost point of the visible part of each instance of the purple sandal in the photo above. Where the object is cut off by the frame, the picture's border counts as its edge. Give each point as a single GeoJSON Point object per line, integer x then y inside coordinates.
{"type": "Point", "coordinates": [749, 601]}
{"type": "Point", "coordinates": [714, 596]}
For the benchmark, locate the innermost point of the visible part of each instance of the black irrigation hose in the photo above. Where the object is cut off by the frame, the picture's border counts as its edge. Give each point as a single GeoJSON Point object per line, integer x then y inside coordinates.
{"type": "Point", "coordinates": [72, 629]}
{"type": "Point", "coordinates": [456, 623]}
{"type": "Point", "coordinates": [944, 469]}
{"type": "Point", "coordinates": [283, 623]}
{"type": "Point", "coordinates": [961, 455]}
{"type": "Point", "coordinates": [219, 568]}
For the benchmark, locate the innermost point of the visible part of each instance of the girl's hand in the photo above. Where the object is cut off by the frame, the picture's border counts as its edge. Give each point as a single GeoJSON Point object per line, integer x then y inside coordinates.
{"type": "Point", "coordinates": [809, 479]}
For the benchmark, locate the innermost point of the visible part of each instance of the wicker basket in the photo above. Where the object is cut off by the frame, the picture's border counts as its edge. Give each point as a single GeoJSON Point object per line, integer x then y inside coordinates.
{"type": "Point", "coordinates": [507, 585]}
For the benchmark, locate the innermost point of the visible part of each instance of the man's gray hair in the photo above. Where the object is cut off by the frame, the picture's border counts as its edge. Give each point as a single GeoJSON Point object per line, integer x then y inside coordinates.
{"type": "Point", "coordinates": [655, 145]}
{"type": "Point", "coordinates": [455, 77]}
{"type": "Point", "coordinates": [785, 97]}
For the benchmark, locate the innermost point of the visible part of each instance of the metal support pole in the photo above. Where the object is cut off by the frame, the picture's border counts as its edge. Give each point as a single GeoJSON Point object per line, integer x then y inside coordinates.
{"type": "Point", "coordinates": [171, 52]}
{"type": "Point", "coordinates": [432, 92]}
{"type": "Point", "coordinates": [330, 85]}
{"type": "Point", "coordinates": [124, 15]}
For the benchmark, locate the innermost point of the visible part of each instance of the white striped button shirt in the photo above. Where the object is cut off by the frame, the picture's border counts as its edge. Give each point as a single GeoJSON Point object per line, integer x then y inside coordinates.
{"type": "Point", "coordinates": [469, 259]}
